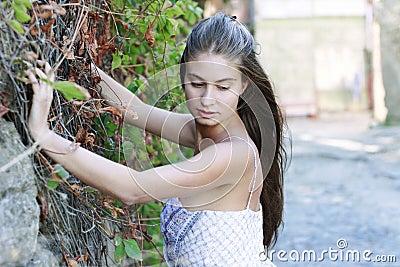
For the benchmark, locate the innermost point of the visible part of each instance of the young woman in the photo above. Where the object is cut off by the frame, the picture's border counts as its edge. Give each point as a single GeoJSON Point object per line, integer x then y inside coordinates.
{"type": "Point", "coordinates": [224, 205]}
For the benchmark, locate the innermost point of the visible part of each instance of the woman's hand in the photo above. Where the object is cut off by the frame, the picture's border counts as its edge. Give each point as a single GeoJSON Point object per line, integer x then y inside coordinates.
{"type": "Point", "coordinates": [41, 101]}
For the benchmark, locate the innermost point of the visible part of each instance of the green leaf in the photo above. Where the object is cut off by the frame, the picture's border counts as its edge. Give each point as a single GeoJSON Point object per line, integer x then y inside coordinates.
{"type": "Point", "coordinates": [142, 155]}
{"type": "Point", "coordinates": [154, 206]}
{"type": "Point", "coordinates": [26, 3]}
{"type": "Point", "coordinates": [118, 203]}
{"type": "Point", "coordinates": [125, 58]}
{"type": "Point", "coordinates": [51, 184]}
{"type": "Point", "coordinates": [112, 126]}
{"type": "Point", "coordinates": [116, 61]}
{"type": "Point", "coordinates": [20, 12]}
{"type": "Point", "coordinates": [135, 85]}
{"type": "Point", "coordinates": [110, 133]}
{"type": "Point", "coordinates": [140, 69]}
{"type": "Point", "coordinates": [119, 3]}
{"type": "Point", "coordinates": [132, 249]}
{"type": "Point", "coordinates": [16, 26]}
{"type": "Point", "coordinates": [71, 90]}
{"type": "Point", "coordinates": [118, 240]}
{"type": "Point", "coordinates": [119, 252]}
{"type": "Point", "coordinates": [22, 17]}
{"type": "Point", "coordinates": [89, 189]}
{"type": "Point", "coordinates": [61, 172]}
{"type": "Point", "coordinates": [18, 7]}
{"type": "Point", "coordinates": [132, 87]}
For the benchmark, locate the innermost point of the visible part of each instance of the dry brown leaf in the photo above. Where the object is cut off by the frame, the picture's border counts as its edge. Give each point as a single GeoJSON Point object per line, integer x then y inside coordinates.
{"type": "Point", "coordinates": [77, 103]}
{"type": "Point", "coordinates": [82, 257]}
{"type": "Point", "coordinates": [95, 15]}
{"type": "Point", "coordinates": [69, 54]}
{"type": "Point", "coordinates": [81, 49]}
{"type": "Point", "coordinates": [4, 103]}
{"type": "Point", "coordinates": [90, 138]}
{"type": "Point", "coordinates": [76, 187]}
{"type": "Point", "coordinates": [48, 28]}
{"type": "Point", "coordinates": [114, 210]}
{"type": "Point", "coordinates": [112, 110]}
{"type": "Point", "coordinates": [30, 56]}
{"type": "Point", "coordinates": [60, 128]}
{"type": "Point", "coordinates": [149, 36]}
{"type": "Point", "coordinates": [98, 105]}
{"type": "Point", "coordinates": [72, 262]}
{"type": "Point", "coordinates": [92, 46]}
{"type": "Point", "coordinates": [44, 14]}
{"type": "Point", "coordinates": [52, 7]}
{"type": "Point", "coordinates": [3, 110]}
{"type": "Point", "coordinates": [96, 79]}
{"type": "Point", "coordinates": [43, 205]}
{"type": "Point", "coordinates": [124, 24]}
{"type": "Point", "coordinates": [81, 135]}
{"type": "Point", "coordinates": [34, 31]}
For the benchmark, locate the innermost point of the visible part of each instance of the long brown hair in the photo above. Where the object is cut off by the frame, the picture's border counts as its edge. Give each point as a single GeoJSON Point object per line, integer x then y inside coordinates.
{"type": "Point", "coordinates": [257, 107]}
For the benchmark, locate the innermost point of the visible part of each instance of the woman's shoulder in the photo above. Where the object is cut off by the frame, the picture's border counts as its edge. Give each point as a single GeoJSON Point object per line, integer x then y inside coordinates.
{"type": "Point", "coordinates": [239, 147]}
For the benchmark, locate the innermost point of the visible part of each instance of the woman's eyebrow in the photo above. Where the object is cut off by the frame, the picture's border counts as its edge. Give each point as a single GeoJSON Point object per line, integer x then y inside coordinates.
{"type": "Point", "coordinates": [202, 79]}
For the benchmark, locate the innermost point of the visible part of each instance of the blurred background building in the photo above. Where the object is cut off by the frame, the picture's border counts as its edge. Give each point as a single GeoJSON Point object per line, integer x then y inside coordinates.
{"type": "Point", "coordinates": [316, 52]}
{"type": "Point", "coordinates": [322, 55]}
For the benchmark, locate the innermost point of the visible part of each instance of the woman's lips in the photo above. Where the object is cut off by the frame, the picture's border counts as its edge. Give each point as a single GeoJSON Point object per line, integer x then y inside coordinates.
{"type": "Point", "coordinates": [206, 114]}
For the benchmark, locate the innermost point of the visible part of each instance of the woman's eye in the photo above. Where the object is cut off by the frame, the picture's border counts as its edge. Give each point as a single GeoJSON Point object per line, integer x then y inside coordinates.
{"type": "Point", "coordinates": [221, 87]}
{"type": "Point", "coordinates": [197, 84]}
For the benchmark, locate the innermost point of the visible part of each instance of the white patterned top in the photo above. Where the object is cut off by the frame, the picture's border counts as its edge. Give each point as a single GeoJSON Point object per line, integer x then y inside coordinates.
{"type": "Point", "coordinates": [213, 238]}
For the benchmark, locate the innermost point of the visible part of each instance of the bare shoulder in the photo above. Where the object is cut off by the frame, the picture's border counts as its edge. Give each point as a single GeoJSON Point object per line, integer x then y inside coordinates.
{"type": "Point", "coordinates": [239, 146]}
{"type": "Point", "coordinates": [236, 154]}
{"type": "Point", "coordinates": [216, 165]}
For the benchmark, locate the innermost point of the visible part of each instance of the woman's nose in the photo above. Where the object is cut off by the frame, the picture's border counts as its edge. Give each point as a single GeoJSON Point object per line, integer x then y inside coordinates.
{"type": "Point", "coordinates": [208, 98]}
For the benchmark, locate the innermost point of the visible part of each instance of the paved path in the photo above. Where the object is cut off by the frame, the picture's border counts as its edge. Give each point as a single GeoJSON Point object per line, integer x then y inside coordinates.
{"type": "Point", "coordinates": [343, 184]}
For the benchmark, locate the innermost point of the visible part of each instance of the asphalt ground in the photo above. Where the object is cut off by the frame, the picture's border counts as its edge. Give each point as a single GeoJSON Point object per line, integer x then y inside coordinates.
{"type": "Point", "coordinates": [342, 193]}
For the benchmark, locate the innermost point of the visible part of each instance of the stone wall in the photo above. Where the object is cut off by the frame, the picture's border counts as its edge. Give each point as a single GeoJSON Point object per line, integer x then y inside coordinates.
{"type": "Point", "coordinates": [19, 211]}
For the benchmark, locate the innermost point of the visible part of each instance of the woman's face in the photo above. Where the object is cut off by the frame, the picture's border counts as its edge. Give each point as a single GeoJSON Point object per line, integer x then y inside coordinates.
{"type": "Point", "coordinates": [212, 88]}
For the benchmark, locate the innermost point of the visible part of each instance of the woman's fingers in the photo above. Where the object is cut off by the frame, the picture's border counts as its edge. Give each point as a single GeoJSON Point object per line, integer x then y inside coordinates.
{"type": "Point", "coordinates": [40, 63]}
{"type": "Point", "coordinates": [43, 91]}
{"type": "Point", "coordinates": [49, 72]}
{"type": "Point", "coordinates": [41, 79]}
{"type": "Point", "coordinates": [33, 80]}
{"type": "Point", "coordinates": [40, 73]}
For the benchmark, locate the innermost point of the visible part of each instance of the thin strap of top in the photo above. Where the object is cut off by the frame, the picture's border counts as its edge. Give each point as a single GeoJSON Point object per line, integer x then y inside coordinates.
{"type": "Point", "coordinates": [255, 166]}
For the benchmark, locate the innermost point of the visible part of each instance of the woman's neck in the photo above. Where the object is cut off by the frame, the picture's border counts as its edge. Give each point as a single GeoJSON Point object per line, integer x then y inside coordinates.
{"type": "Point", "coordinates": [217, 132]}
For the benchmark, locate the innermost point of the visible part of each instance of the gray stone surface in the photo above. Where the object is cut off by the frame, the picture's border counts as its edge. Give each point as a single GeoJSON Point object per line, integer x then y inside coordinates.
{"type": "Point", "coordinates": [343, 183]}
{"type": "Point", "coordinates": [42, 256]}
{"type": "Point", "coordinates": [19, 211]}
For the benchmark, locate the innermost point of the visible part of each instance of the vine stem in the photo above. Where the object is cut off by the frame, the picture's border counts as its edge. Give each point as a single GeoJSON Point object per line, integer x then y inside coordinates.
{"type": "Point", "coordinates": [80, 24]}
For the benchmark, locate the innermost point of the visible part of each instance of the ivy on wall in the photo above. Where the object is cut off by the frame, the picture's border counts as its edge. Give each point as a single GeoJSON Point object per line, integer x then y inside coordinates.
{"type": "Point", "coordinates": [132, 41]}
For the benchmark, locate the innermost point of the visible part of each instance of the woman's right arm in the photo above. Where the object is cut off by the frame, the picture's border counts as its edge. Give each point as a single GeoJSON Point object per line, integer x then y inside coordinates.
{"type": "Point", "coordinates": [175, 127]}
